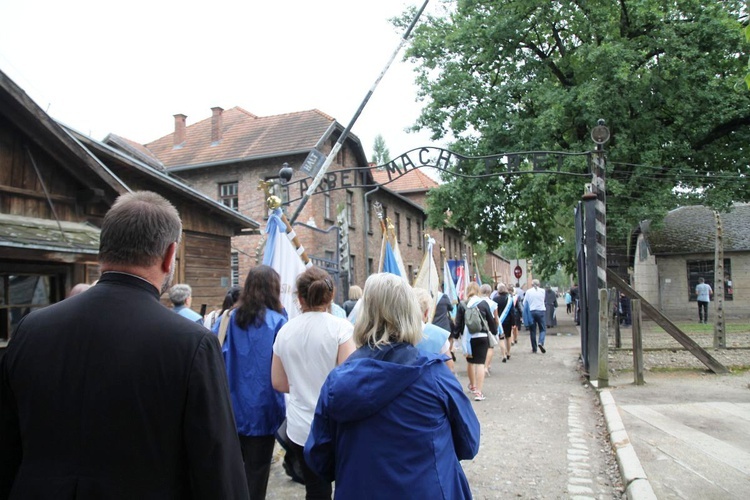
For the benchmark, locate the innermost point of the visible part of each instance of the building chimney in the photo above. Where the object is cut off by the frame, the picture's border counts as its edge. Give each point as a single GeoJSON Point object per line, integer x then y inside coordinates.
{"type": "Point", "coordinates": [217, 125]}
{"type": "Point", "coordinates": [179, 130]}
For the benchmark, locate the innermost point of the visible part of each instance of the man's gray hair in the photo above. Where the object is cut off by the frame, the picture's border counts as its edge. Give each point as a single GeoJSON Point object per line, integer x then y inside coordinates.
{"type": "Point", "coordinates": [179, 293]}
{"type": "Point", "coordinates": [534, 282]}
{"type": "Point", "coordinates": [138, 229]}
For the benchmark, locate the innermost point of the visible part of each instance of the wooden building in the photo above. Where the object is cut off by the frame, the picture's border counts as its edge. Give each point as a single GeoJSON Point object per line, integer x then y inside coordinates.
{"type": "Point", "coordinates": [55, 187]}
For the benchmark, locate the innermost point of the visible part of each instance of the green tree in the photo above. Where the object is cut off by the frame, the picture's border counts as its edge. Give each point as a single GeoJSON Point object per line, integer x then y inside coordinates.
{"type": "Point", "coordinates": [530, 75]}
{"type": "Point", "coordinates": [380, 153]}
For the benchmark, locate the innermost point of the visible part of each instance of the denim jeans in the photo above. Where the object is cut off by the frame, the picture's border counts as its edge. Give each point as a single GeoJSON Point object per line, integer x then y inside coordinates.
{"type": "Point", "coordinates": [538, 318]}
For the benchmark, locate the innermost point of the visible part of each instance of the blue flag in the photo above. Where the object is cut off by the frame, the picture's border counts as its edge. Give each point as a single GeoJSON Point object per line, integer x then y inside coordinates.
{"type": "Point", "coordinates": [390, 265]}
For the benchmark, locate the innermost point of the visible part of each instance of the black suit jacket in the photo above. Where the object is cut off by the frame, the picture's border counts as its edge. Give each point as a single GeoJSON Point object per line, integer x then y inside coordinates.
{"type": "Point", "coordinates": [109, 394]}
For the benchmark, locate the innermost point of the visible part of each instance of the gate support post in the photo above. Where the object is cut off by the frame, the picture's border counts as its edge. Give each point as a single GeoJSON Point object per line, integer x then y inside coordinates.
{"type": "Point", "coordinates": [602, 378]}
{"type": "Point", "coordinates": [592, 298]}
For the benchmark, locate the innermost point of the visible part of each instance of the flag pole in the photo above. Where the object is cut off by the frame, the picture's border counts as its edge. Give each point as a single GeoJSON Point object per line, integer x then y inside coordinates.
{"type": "Point", "coordinates": [340, 142]}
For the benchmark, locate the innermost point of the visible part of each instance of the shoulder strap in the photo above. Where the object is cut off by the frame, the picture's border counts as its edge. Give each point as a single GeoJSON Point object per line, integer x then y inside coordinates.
{"type": "Point", "coordinates": [224, 326]}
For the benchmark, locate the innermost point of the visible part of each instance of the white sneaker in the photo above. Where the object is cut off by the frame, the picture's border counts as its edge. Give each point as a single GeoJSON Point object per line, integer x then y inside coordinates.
{"type": "Point", "coordinates": [478, 396]}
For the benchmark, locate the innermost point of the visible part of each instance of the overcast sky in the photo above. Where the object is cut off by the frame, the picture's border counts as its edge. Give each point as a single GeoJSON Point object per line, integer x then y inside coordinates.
{"type": "Point", "coordinates": [127, 67]}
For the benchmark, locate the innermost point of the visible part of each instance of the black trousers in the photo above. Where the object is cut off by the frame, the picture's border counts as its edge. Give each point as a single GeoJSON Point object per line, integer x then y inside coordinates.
{"type": "Point", "coordinates": [257, 452]}
{"type": "Point", "coordinates": [702, 311]}
{"type": "Point", "coordinates": [316, 488]}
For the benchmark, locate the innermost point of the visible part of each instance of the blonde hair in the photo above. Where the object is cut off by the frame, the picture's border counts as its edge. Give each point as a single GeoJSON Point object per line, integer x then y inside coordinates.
{"type": "Point", "coordinates": [355, 292]}
{"type": "Point", "coordinates": [424, 299]}
{"type": "Point", "coordinates": [389, 312]}
{"type": "Point", "coordinates": [501, 288]}
{"type": "Point", "coordinates": [485, 290]}
{"type": "Point", "coordinates": [472, 289]}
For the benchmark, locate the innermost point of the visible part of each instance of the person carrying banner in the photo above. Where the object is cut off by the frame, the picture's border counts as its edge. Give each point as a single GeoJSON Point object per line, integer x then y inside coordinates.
{"type": "Point", "coordinates": [307, 348]}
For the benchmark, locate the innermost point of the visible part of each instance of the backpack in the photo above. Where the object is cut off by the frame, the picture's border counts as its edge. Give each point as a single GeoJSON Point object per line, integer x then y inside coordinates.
{"type": "Point", "coordinates": [474, 320]}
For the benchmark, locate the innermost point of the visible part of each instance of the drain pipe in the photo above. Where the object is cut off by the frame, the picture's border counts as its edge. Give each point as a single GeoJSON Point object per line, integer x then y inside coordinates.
{"type": "Point", "coordinates": [366, 233]}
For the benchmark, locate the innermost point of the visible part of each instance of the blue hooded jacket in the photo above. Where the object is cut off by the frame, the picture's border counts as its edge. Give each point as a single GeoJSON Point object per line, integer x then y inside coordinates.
{"type": "Point", "coordinates": [393, 422]}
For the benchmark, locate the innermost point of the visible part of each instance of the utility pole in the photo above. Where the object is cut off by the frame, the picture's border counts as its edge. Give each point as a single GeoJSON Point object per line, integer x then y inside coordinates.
{"type": "Point", "coordinates": [720, 337]}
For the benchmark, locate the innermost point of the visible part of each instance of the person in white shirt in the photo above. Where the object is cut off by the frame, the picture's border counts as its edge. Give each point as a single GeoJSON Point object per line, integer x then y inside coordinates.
{"type": "Point", "coordinates": [306, 349]}
{"type": "Point", "coordinates": [534, 301]}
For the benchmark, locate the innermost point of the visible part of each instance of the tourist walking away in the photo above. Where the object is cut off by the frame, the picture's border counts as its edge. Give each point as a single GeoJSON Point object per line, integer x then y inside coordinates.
{"type": "Point", "coordinates": [518, 315]}
{"type": "Point", "coordinates": [568, 302]}
{"type": "Point", "coordinates": [704, 293]}
{"type": "Point", "coordinates": [626, 318]}
{"type": "Point", "coordinates": [392, 422]}
{"type": "Point", "coordinates": [443, 309]}
{"type": "Point", "coordinates": [355, 293]}
{"type": "Point", "coordinates": [181, 296]}
{"type": "Point", "coordinates": [435, 339]}
{"type": "Point", "coordinates": [109, 394]}
{"type": "Point", "coordinates": [536, 318]}
{"type": "Point", "coordinates": [230, 299]}
{"type": "Point", "coordinates": [475, 319]}
{"type": "Point", "coordinates": [307, 348]}
{"type": "Point", "coordinates": [550, 304]}
{"type": "Point", "coordinates": [259, 409]}
{"type": "Point", "coordinates": [506, 319]}
{"type": "Point", "coordinates": [484, 292]}
{"type": "Point", "coordinates": [574, 300]}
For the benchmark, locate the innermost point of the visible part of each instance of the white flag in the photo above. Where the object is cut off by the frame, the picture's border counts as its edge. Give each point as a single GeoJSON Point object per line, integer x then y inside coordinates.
{"type": "Point", "coordinates": [281, 255]}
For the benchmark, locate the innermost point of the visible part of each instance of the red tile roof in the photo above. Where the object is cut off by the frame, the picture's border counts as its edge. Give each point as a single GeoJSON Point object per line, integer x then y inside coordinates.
{"type": "Point", "coordinates": [244, 135]}
{"type": "Point", "coordinates": [413, 181]}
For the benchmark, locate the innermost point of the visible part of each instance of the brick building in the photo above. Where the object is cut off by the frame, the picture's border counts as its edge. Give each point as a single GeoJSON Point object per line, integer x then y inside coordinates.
{"type": "Point", "coordinates": [227, 155]}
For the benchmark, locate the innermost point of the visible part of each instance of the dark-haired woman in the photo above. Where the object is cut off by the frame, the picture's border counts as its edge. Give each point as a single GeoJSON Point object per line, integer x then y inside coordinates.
{"type": "Point", "coordinates": [307, 348]}
{"type": "Point", "coordinates": [248, 350]}
{"type": "Point", "coordinates": [230, 299]}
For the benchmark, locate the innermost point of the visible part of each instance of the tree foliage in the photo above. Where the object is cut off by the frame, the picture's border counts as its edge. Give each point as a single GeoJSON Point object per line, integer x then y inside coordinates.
{"type": "Point", "coordinates": [530, 75]}
{"type": "Point", "coordinates": [380, 153]}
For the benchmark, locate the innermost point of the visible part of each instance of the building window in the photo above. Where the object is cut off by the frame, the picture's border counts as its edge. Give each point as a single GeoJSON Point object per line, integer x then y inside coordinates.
{"type": "Point", "coordinates": [370, 210]}
{"type": "Point", "coordinates": [235, 267]}
{"type": "Point", "coordinates": [398, 227]}
{"type": "Point", "coordinates": [410, 272]}
{"type": "Point", "coordinates": [329, 256]}
{"type": "Point", "coordinates": [419, 234]}
{"type": "Point", "coordinates": [349, 209]}
{"type": "Point", "coordinates": [228, 195]}
{"type": "Point", "coordinates": [327, 211]}
{"type": "Point", "coordinates": [352, 269]}
{"type": "Point", "coordinates": [705, 269]}
{"type": "Point", "coordinates": [22, 294]}
{"type": "Point", "coordinates": [370, 264]}
{"type": "Point", "coordinates": [408, 231]}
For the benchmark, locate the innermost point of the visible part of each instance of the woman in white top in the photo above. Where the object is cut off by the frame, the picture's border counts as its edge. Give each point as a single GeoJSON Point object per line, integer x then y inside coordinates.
{"type": "Point", "coordinates": [307, 348]}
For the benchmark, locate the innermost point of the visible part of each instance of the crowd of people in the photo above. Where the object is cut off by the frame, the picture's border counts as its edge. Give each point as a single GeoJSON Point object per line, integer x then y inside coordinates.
{"type": "Point", "coordinates": [137, 401]}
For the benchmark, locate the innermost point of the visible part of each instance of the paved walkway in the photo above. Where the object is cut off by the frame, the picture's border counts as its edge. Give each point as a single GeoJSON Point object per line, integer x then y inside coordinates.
{"type": "Point", "coordinates": [543, 435]}
{"type": "Point", "coordinates": [690, 431]}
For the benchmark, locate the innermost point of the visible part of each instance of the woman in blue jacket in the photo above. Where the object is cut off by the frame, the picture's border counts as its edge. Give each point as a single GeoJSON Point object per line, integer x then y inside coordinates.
{"type": "Point", "coordinates": [400, 411]}
{"type": "Point", "coordinates": [248, 349]}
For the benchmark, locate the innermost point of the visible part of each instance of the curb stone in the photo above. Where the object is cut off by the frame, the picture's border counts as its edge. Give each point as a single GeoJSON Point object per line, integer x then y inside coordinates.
{"type": "Point", "coordinates": [637, 485]}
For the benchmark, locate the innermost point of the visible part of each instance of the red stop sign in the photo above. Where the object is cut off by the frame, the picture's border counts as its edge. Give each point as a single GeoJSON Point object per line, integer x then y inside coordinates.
{"type": "Point", "coordinates": [518, 272]}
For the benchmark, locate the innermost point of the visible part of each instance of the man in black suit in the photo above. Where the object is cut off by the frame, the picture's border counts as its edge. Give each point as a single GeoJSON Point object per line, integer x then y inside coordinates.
{"type": "Point", "coordinates": [109, 394]}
